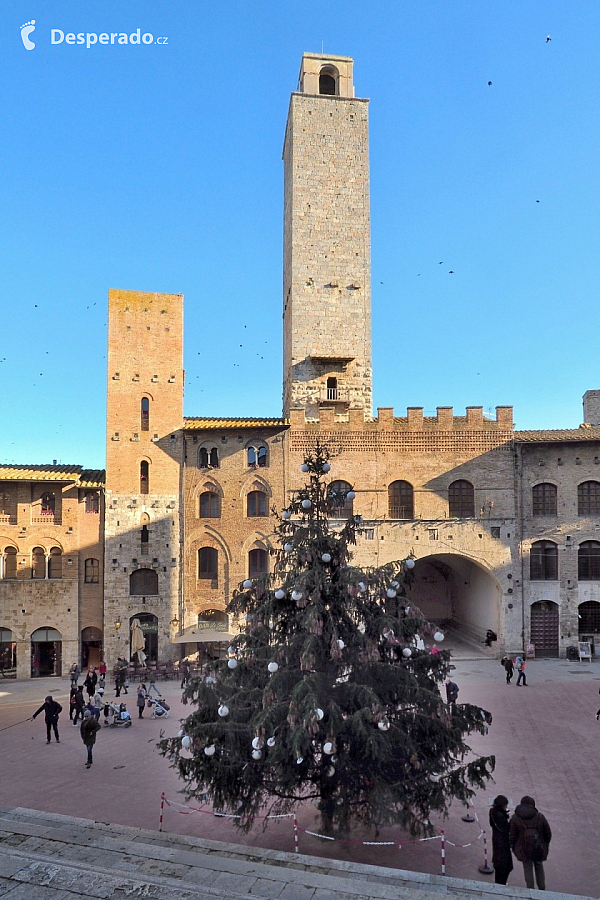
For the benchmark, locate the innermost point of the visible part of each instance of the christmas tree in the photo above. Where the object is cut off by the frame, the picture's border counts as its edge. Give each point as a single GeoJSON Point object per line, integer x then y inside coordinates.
{"type": "Point", "coordinates": [329, 694]}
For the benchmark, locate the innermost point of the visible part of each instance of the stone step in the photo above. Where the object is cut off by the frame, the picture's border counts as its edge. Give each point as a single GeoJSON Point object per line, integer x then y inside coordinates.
{"type": "Point", "coordinates": [67, 857]}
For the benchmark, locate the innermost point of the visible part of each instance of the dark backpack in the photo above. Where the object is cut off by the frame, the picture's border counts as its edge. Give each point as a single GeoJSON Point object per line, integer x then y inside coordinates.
{"type": "Point", "coordinates": [532, 842]}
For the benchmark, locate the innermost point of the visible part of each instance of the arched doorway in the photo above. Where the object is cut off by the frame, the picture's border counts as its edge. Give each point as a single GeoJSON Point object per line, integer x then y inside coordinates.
{"type": "Point", "coordinates": [91, 647]}
{"type": "Point", "coordinates": [454, 590]}
{"type": "Point", "coordinates": [46, 653]}
{"type": "Point", "coordinates": [8, 654]}
{"type": "Point", "coordinates": [544, 628]}
{"type": "Point", "coordinates": [589, 623]}
{"type": "Point", "coordinates": [149, 625]}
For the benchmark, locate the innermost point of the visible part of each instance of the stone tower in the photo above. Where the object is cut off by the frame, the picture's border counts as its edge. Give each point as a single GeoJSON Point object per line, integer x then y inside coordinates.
{"type": "Point", "coordinates": [144, 448]}
{"type": "Point", "coordinates": [327, 254]}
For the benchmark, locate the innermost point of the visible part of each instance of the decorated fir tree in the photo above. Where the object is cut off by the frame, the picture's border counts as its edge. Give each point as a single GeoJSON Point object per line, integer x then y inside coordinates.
{"type": "Point", "coordinates": [326, 696]}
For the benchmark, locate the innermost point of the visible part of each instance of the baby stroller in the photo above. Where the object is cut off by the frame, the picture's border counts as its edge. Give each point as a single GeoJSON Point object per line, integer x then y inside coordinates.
{"type": "Point", "coordinates": [159, 707]}
{"type": "Point", "coordinates": [116, 714]}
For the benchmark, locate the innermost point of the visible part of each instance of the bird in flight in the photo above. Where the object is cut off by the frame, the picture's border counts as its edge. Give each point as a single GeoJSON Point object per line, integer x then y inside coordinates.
{"type": "Point", "coordinates": [489, 83]}
{"type": "Point", "coordinates": [441, 263]}
{"type": "Point", "coordinates": [548, 38]}
{"type": "Point", "coordinates": [450, 272]}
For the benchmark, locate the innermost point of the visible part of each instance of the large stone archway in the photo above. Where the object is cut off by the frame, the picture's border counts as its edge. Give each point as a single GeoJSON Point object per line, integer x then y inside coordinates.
{"type": "Point", "coordinates": [452, 588]}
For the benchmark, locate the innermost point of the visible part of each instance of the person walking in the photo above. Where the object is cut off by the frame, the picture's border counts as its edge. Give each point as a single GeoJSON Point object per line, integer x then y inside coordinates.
{"type": "Point", "coordinates": [501, 852]}
{"type": "Point", "coordinates": [530, 836]}
{"type": "Point", "coordinates": [141, 700]}
{"type": "Point", "coordinates": [509, 667]}
{"type": "Point", "coordinates": [520, 664]}
{"type": "Point", "coordinates": [451, 692]}
{"type": "Point", "coordinates": [91, 680]}
{"type": "Point", "coordinates": [102, 669]}
{"type": "Point", "coordinates": [90, 726]}
{"type": "Point", "coordinates": [78, 705]}
{"type": "Point", "coordinates": [51, 710]}
{"type": "Point", "coordinates": [185, 673]}
{"type": "Point", "coordinates": [74, 673]}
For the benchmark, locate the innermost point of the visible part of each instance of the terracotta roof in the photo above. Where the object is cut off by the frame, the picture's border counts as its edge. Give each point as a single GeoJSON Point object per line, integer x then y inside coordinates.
{"type": "Point", "coordinates": [583, 433]}
{"type": "Point", "coordinates": [84, 477]}
{"type": "Point", "coordinates": [194, 424]}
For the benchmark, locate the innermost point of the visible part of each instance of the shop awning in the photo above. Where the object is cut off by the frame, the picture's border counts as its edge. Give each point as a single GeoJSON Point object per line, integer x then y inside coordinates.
{"type": "Point", "coordinates": [203, 636]}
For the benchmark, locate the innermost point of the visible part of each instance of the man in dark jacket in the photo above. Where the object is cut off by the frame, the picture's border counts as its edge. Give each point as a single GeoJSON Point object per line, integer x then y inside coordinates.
{"type": "Point", "coordinates": [51, 710]}
{"type": "Point", "coordinates": [88, 729]}
{"type": "Point", "coordinates": [530, 837]}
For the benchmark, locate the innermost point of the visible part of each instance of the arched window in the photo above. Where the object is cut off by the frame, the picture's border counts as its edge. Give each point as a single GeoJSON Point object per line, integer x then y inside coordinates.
{"type": "Point", "coordinates": [258, 562]}
{"type": "Point", "coordinates": [209, 505]}
{"type": "Point", "coordinates": [55, 563]}
{"type": "Point", "coordinates": [48, 504]}
{"type": "Point", "coordinates": [337, 499]}
{"type": "Point", "coordinates": [332, 389]}
{"type": "Point", "coordinates": [588, 561]}
{"type": "Point", "coordinates": [257, 457]}
{"type": "Point", "coordinates": [38, 563]}
{"type": "Point", "coordinates": [208, 458]}
{"type": "Point", "coordinates": [92, 502]}
{"type": "Point", "coordinates": [143, 581]}
{"type": "Point", "coordinates": [92, 571]}
{"type": "Point", "coordinates": [543, 497]}
{"type": "Point", "coordinates": [543, 561]}
{"type": "Point", "coordinates": [461, 500]}
{"type": "Point", "coordinates": [588, 498]}
{"type": "Point", "coordinates": [145, 414]}
{"type": "Point", "coordinates": [10, 562]}
{"type": "Point", "coordinates": [589, 617]}
{"type": "Point", "coordinates": [257, 503]}
{"type": "Point", "coordinates": [144, 477]}
{"type": "Point", "coordinates": [208, 563]}
{"type": "Point", "coordinates": [401, 500]}
{"type": "Point", "coordinates": [328, 78]}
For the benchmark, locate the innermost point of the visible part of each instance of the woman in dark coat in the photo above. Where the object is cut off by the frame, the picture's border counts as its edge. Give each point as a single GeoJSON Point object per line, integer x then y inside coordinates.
{"type": "Point", "coordinates": [501, 853]}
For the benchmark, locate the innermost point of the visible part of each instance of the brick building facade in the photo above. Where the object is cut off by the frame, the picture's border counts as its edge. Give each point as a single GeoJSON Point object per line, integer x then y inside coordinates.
{"type": "Point", "coordinates": [504, 526]}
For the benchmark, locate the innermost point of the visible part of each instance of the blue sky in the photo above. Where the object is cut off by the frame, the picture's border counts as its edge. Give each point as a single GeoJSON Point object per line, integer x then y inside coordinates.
{"type": "Point", "coordinates": [159, 168]}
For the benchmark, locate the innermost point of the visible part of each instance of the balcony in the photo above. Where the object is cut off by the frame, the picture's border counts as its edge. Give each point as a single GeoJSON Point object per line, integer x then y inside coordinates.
{"type": "Point", "coordinates": [334, 395]}
{"type": "Point", "coordinates": [47, 519]}
{"type": "Point", "coordinates": [8, 520]}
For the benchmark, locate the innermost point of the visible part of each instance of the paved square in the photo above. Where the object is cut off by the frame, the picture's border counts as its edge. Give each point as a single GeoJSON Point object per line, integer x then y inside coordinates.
{"type": "Point", "coordinates": [545, 738]}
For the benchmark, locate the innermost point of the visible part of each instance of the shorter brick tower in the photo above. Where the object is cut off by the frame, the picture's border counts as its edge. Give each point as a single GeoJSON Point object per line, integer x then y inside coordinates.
{"type": "Point", "coordinates": [143, 470]}
{"type": "Point", "coordinates": [327, 246]}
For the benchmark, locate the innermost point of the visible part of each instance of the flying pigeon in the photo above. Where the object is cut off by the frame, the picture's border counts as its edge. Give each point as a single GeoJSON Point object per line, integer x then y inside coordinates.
{"type": "Point", "coordinates": [548, 38]}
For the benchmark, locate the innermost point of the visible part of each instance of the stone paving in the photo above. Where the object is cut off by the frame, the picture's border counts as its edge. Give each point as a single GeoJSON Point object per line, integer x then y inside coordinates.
{"type": "Point", "coordinates": [544, 736]}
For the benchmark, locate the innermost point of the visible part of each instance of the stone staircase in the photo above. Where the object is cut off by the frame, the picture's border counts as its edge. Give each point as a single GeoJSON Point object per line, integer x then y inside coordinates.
{"type": "Point", "coordinates": [44, 856]}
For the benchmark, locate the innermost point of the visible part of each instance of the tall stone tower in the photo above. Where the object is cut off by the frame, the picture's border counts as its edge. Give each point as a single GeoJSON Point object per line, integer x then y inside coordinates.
{"type": "Point", "coordinates": [327, 246]}
{"type": "Point", "coordinates": [144, 449]}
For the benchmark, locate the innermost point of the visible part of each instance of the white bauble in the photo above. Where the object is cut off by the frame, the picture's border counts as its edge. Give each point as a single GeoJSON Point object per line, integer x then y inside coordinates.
{"type": "Point", "coordinates": [223, 710]}
{"type": "Point", "coordinates": [271, 742]}
{"type": "Point", "coordinates": [330, 771]}
{"type": "Point", "coordinates": [256, 754]}
{"type": "Point", "coordinates": [232, 663]}
{"type": "Point", "coordinates": [186, 742]}
{"type": "Point", "coordinates": [326, 557]}
{"type": "Point", "coordinates": [384, 725]}
{"type": "Point", "coordinates": [210, 750]}
{"type": "Point", "coordinates": [391, 593]}
{"type": "Point", "coordinates": [328, 748]}
{"type": "Point", "coordinates": [394, 584]}
{"type": "Point", "coordinates": [434, 777]}
{"type": "Point", "coordinates": [288, 548]}
{"type": "Point", "coordinates": [296, 595]}
{"type": "Point", "coordinates": [351, 495]}
{"type": "Point", "coordinates": [304, 467]}
{"type": "Point", "coordinates": [247, 584]}
{"type": "Point", "coordinates": [210, 680]}
{"type": "Point", "coordinates": [341, 644]}
{"type": "Point", "coordinates": [409, 563]}
{"type": "Point", "coordinates": [326, 467]}
{"type": "Point", "coordinates": [438, 637]}
{"type": "Point", "coordinates": [407, 652]}
{"type": "Point", "coordinates": [272, 667]}
{"type": "Point", "coordinates": [279, 594]}
{"type": "Point", "coordinates": [180, 733]}
{"type": "Point", "coordinates": [319, 714]}
{"type": "Point", "coordinates": [256, 743]}
{"type": "Point", "coordinates": [306, 504]}
{"type": "Point", "coordinates": [299, 760]}
{"type": "Point", "coordinates": [286, 514]}
{"type": "Point", "coordinates": [362, 587]}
